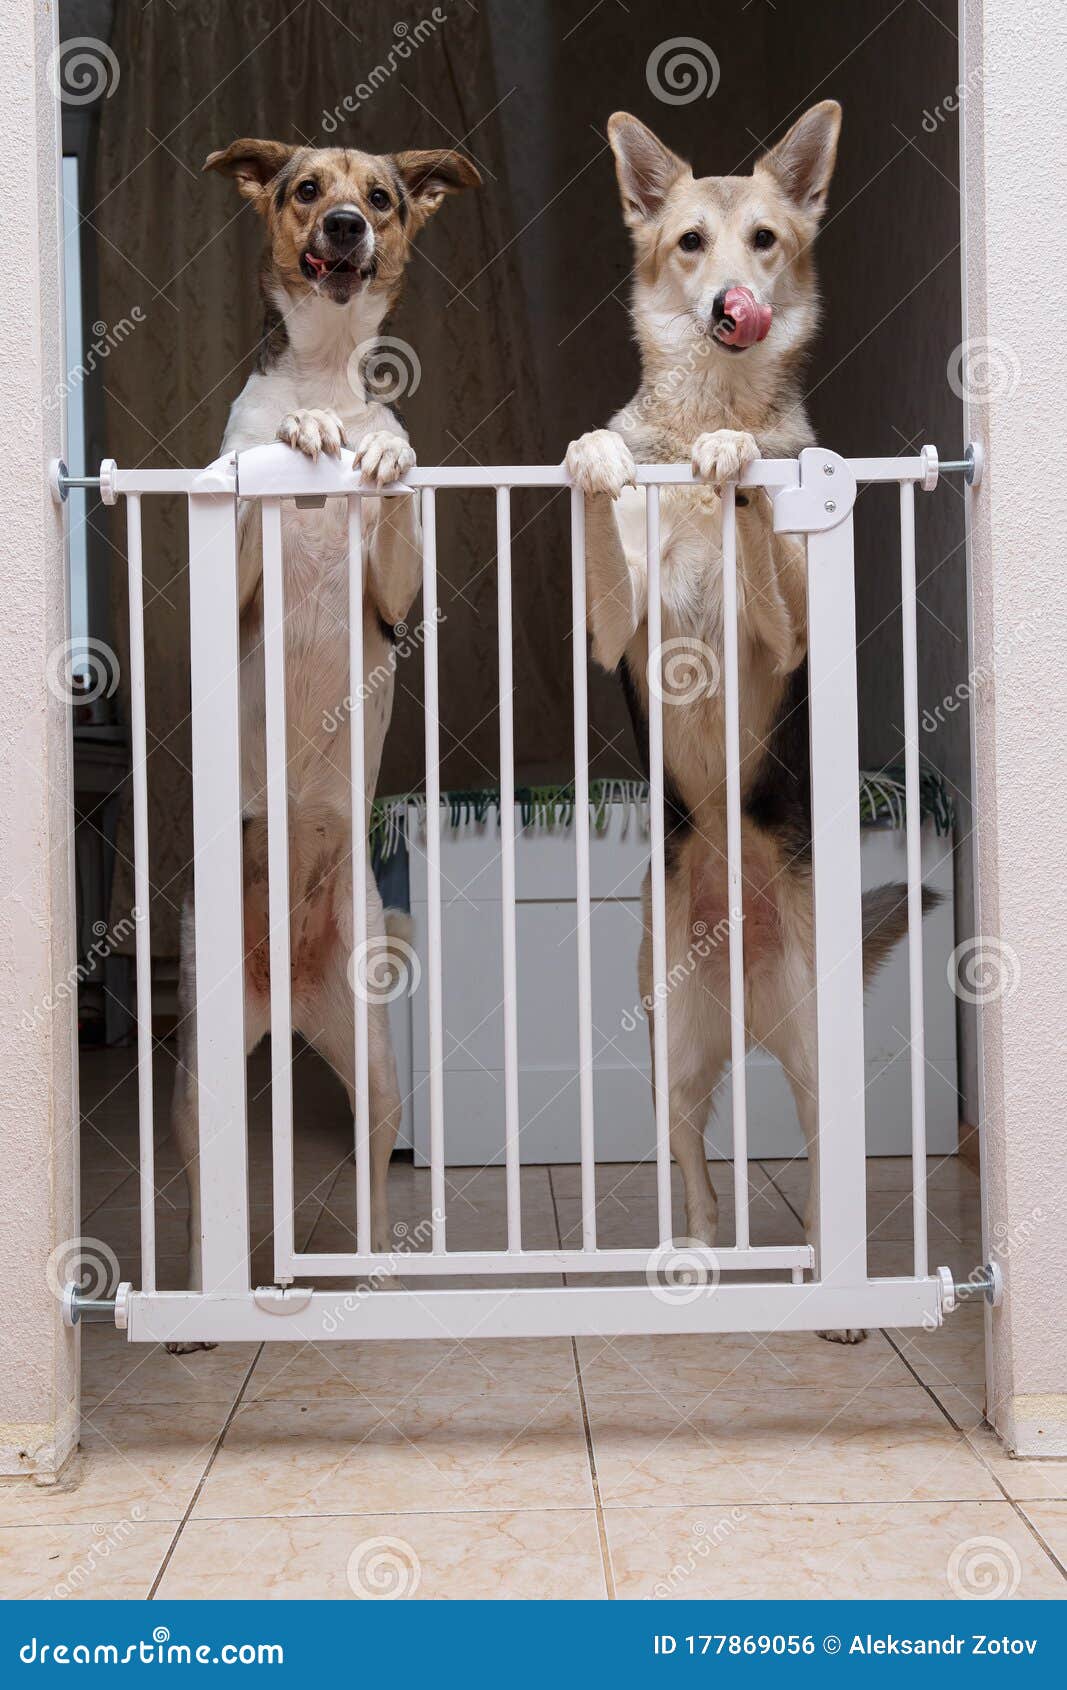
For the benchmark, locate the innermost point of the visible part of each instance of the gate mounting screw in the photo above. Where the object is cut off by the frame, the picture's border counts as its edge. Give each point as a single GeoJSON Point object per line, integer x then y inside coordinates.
{"type": "Point", "coordinates": [984, 1283]}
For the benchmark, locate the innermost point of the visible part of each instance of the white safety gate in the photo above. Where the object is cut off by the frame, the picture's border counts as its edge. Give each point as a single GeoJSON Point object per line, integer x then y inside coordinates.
{"type": "Point", "coordinates": [821, 1284]}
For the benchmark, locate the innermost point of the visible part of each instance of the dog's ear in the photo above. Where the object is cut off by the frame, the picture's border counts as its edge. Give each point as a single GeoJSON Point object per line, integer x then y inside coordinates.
{"type": "Point", "coordinates": [803, 161]}
{"type": "Point", "coordinates": [647, 170]}
{"type": "Point", "coordinates": [431, 174]}
{"type": "Point", "coordinates": [252, 164]}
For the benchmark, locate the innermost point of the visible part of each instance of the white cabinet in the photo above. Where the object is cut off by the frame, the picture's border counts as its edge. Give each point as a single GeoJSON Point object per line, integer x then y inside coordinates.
{"type": "Point", "coordinates": [548, 1004]}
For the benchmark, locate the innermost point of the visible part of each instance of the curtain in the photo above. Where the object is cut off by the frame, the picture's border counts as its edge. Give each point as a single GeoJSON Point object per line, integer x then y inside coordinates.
{"type": "Point", "coordinates": [184, 250]}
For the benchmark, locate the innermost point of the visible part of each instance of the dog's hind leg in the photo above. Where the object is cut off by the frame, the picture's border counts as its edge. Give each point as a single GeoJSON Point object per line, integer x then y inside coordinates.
{"type": "Point", "coordinates": [697, 1048]}
{"type": "Point", "coordinates": [327, 1019]}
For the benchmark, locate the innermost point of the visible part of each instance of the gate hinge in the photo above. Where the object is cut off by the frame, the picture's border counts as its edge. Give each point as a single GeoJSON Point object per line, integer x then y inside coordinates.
{"type": "Point", "coordinates": [823, 499]}
{"type": "Point", "coordinates": [986, 1282]}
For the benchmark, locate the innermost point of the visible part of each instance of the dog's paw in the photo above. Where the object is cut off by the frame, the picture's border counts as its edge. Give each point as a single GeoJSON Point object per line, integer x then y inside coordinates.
{"type": "Point", "coordinates": [187, 1349]}
{"type": "Point", "coordinates": [601, 462]}
{"type": "Point", "coordinates": [312, 432]}
{"type": "Point", "coordinates": [723, 455]}
{"type": "Point", "coordinates": [383, 457]}
{"type": "Point", "coordinates": [844, 1335]}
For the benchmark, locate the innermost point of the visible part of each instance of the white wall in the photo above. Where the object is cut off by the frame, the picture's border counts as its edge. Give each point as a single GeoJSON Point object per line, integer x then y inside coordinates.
{"type": "Point", "coordinates": [38, 1097]}
{"type": "Point", "coordinates": [1016, 298]}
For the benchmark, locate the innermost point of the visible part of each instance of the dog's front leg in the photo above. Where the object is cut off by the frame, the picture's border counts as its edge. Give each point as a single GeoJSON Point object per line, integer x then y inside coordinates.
{"type": "Point", "coordinates": [601, 464]}
{"type": "Point", "coordinates": [394, 544]}
{"type": "Point", "coordinates": [770, 567]}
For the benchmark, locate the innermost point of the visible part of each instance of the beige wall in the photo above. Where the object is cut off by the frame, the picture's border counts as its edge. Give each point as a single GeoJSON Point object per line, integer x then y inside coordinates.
{"type": "Point", "coordinates": [38, 1097]}
{"type": "Point", "coordinates": [1016, 297]}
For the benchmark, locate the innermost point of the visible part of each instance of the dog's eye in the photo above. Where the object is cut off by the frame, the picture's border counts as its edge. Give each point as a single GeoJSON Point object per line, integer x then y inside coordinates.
{"type": "Point", "coordinates": [764, 238]}
{"type": "Point", "coordinates": [307, 190]}
{"type": "Point", "coordinates": [692, 241]}
{"type": "Point", "coordinates": [379, 199]}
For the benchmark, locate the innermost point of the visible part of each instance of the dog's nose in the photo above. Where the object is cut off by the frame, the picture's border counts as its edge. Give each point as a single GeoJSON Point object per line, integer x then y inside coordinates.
{"type": "Point", "coordinates": [718, 306]}
{"type": "Point", "coordinates": [344, 227]}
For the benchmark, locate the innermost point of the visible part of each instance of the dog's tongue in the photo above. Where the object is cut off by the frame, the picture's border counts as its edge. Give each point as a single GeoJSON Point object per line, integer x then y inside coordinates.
{"type": "Point", "coordinates": [744, 320]}
{"type": "Point", "coordinates": [319, 265]}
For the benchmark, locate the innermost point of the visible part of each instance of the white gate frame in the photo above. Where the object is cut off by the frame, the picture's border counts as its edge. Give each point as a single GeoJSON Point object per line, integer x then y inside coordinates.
{"type": "Point", "coordinates": [829, 1284]}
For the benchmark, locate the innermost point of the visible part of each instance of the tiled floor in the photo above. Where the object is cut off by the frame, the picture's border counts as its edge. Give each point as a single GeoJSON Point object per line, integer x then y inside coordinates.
{"type": "Point", "coordinates": [738, 1466]}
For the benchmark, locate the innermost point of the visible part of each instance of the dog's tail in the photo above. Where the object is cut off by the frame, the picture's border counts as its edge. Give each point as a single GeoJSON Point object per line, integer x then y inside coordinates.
{"type": "Point", "coordinates": [885, 922]}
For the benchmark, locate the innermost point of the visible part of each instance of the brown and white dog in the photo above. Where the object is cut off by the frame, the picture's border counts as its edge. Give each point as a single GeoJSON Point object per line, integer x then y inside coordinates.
{"type": "Point", "coordinates": [725, 306]}
{"type": "Point", "coordinates": [339, 228]}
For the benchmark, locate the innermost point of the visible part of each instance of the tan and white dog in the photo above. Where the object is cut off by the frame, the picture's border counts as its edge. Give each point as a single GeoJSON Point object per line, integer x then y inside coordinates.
{"type": "Point", "coordinates": [339, 227]}
{"type": "Point", "coordinates": [725, 306]}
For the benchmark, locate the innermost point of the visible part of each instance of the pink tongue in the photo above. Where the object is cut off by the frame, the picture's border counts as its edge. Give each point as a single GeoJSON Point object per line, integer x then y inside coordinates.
{"type": "Point", "coordinates": [745, 321]}
{"type": "Point", "coordinates": [319, 264]}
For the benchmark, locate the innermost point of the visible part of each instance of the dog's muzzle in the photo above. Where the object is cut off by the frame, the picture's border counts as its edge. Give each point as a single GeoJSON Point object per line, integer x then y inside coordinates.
{"type": "Point", "coordinates": [738, 319]}
{"type": "Point", "coordinates": [343, 248]}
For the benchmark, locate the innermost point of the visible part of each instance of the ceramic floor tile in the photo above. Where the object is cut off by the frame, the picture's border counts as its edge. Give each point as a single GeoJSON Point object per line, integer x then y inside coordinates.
{"type": "Point", "coordinates": [964, 1405]}
{"type": "Point", "coordinates": [475, 1208]}
{"type": "Point", "coordinates": [951, 1354]}
{"type": "Point", "coordinates": [86, 1562]}
{"type": "Point", "coordinates": [880, 1444]}
{"type": "Point", "coordinates": [1025, 1481]}
{"type": "Point", "coordinates": [387, 1372]}
{"type": "Point", "coordinates": [885, 1174]}
{"type": "Point", "coordinates": [1050, 1519]}
{"type": "Point", "coordinates": [117, 1373]}
{"type": "Point", "coordinates": [687, 1368]}
{"type": "Point", "coordinates": [518, 1556]}
{"type": "Point", "coordinates": [453, 1454]}
{"type": "Point", "coordinates": [141, 1463]}
{"type": "Point", "coordinates": [917, 1550]}
{"type": "Point", "coordinates": [625, 1221]}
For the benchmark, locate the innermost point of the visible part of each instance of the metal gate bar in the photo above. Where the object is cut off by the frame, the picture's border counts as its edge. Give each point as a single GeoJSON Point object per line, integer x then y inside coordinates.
{"type": "Point", "coordinates": [658, 871]}
{"type": "Point", "coordinates": [732, 713]}
{"type": "Point", "coordinates": [509, 944]}
{"type": "Point", "coordinates": [141, 895]}
{"type": "Point", "coordinates": [582, 870]}
{"type": "Point", "coordinates": [840, 1292]}
{"type": "Point", "coordinates": [360, 938]}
